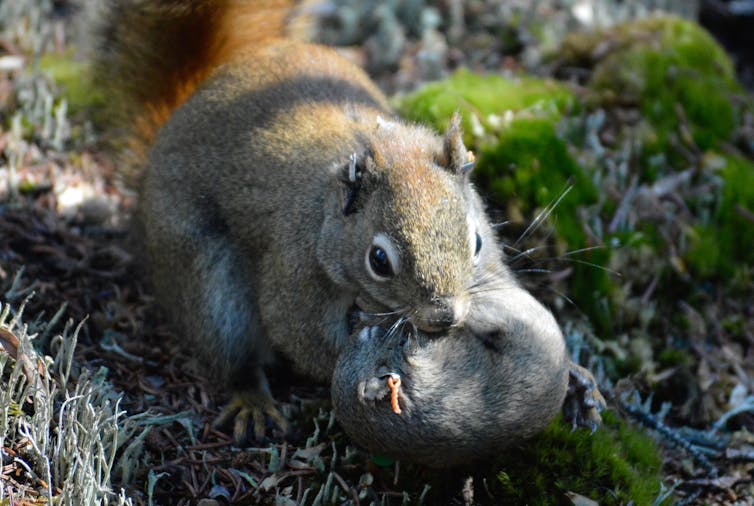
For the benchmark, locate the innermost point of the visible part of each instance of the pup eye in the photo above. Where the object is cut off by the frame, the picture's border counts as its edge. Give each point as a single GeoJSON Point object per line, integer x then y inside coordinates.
{"type": "Point", "coordinates": [382, 259]}
{"type": "Point", "coordinates": [379, 262]}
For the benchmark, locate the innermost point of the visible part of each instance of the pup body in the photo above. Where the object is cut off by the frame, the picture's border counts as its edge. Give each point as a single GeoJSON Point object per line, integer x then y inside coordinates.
{"type": "Point", "coordinates": [464, 395]}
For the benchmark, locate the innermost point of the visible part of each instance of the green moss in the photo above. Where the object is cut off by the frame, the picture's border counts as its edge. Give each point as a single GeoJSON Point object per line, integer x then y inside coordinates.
{"type": "Point", "coordinates": [725, 244]}
{"type": "Point", "coordinates": [74, 77]}
{"type": "Point", "coordinates": [670, 68]}
{"type": "Point", "coordinates": [531, 163]}
{"type": "Point", "coordinates": [486, 99]}
{"type": "Point", "coordinates": [615, 465]}
{"type": "Point", "coordinates": [672, 357]}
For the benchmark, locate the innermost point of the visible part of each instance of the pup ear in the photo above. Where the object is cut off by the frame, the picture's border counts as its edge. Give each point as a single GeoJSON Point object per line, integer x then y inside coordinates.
{"type": "Point", "coordinates": [457, 159]}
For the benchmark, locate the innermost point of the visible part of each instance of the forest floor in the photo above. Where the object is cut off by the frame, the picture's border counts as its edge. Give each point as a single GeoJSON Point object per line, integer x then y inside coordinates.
{"type": "Point", "coordinates": [65, 251]}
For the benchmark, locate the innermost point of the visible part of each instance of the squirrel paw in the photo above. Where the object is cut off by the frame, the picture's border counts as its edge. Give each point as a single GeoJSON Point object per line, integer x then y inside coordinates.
{"type": "Point", "coordinates": [583, 401]}
{"type": "Point", "coordinates": [254, 405]}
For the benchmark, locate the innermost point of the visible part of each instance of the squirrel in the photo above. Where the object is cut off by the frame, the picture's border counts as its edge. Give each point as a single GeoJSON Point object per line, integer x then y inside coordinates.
{"type": "Point", "coordinates": [278, 191]}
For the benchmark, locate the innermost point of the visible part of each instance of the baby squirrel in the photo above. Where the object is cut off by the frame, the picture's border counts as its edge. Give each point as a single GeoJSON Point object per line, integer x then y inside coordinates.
{"type": "Point", "coordinates": [278, 190]}
{"type": "Point", "coordinates": [464, 394]}
{"type": "Point", "coordinates": [467, 394]}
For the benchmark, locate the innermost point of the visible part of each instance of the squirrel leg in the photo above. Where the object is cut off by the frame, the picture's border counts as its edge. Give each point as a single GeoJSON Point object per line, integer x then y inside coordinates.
{"type": "Point", "coordinates": [210, 293]}
{"type": "Point", "coordinates": [583, 401]}
{"type": "Point", "coordinates": [252, 403]}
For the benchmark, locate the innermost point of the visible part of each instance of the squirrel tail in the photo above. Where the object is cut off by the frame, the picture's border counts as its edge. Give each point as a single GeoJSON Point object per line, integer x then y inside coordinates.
{"type": "Point", "coordinates": [152, 54]}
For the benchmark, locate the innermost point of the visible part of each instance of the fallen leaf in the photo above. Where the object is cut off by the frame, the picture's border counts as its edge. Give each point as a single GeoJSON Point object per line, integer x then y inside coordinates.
{"type": "Point", "coordinates": [580, 500]}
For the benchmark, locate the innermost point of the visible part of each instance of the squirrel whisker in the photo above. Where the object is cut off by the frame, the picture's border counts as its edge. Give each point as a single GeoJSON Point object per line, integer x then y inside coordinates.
{"type": "Point", "coordinates": [544, 215]}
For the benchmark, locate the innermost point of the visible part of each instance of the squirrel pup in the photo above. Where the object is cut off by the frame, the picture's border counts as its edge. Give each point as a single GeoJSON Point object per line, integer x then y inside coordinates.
{"type": "Point", "coordinates": [278, 190]}
{"type": "Point", "coordinates": [464, 395]}
{"type": "Point", "coordinates": [467, 393]}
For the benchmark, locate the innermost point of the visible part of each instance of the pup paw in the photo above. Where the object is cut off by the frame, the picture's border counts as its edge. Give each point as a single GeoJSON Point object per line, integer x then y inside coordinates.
{"type": "Point", "coordinates": [584, 401]}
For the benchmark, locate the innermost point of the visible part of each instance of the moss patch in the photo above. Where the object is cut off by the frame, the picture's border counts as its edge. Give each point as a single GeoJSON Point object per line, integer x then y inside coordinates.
{"type": "Point", "coordinates": [74, 77]}
{"type": "Point", "coordinates": [484, 102]}
{"type": "Point", "coordinates": [725, 243]}
{"type": "Point", "coordinates": [672, 69]}
{"type": "Point", "coordinates": [615, 465]}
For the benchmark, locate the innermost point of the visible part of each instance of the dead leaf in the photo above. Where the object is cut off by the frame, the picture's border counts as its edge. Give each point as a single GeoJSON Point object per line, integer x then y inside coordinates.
{"type": "Point", "coordinates": [10, 343]}
{"type": "Point", "coordinates": [580, 500]}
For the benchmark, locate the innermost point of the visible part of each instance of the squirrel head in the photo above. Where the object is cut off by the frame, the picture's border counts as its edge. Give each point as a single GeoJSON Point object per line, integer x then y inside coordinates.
{"type": "Point", "coordinates": [405, 226]}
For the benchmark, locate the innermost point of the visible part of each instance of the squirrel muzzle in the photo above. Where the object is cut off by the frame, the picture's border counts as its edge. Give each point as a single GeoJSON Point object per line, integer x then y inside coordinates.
{"type": "Point", "coordinates": [441, 314]}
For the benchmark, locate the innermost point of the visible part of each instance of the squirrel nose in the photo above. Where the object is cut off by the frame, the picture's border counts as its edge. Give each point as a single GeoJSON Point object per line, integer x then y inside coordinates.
{"type": "Point", "coordinates": [442, 314]}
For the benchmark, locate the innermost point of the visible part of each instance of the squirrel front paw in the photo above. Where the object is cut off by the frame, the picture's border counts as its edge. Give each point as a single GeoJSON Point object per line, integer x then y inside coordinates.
{"type": "Point", "coordinates": [253, 404]}
{"type": "Point", "coordinates": [583, 401]}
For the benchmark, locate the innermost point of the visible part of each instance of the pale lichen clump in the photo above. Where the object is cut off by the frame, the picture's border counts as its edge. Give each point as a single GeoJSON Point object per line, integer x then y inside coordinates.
{"type": "Point", "coordinates": [60, 427]}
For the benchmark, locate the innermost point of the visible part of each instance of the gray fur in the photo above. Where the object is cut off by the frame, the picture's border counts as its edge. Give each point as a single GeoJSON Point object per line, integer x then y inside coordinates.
{"type": "Point", "coordinates": [466, 394]}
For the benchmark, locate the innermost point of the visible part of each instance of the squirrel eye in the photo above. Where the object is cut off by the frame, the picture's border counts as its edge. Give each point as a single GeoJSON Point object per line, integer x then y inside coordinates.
{"type": "Point", "coordinates": [379, 262]}
{"type": "Point", "coordinates": [478, 248]}
{"type": "Point", "coordinates": [382, 260]}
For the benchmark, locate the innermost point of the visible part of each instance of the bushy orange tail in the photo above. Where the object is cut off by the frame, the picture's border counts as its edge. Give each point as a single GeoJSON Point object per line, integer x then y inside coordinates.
{"type": "Point", "coordinates": [154, 53]}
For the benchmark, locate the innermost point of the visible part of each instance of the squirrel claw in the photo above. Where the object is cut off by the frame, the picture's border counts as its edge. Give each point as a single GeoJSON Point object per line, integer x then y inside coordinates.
{"type": "Point", "coordinates": [583, 401]}
{"type": "Point", "coordinates": [254, 406]}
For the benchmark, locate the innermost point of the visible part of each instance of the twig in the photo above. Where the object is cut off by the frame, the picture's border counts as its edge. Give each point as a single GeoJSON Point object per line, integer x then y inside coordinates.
{"type": "Point", "coordinates": [653, 423]}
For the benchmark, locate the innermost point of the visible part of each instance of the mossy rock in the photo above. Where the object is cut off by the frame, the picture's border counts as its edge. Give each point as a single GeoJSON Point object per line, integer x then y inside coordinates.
{"type": "Point", "coordinates": [618, 464]}
{"type": "Point", "coordinates": [668, 67]}
{"type": "Point", "coordinates": [724, 245]}
{"type": "Point", "coordinates": [484, 102]}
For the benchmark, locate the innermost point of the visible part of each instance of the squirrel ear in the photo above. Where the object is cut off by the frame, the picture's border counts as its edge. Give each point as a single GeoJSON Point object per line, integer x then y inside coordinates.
{"type": "Point", "coordinates": [351, 175]}
{"type": "Point", "coordinates": [456, 158]}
